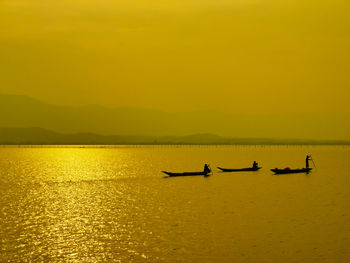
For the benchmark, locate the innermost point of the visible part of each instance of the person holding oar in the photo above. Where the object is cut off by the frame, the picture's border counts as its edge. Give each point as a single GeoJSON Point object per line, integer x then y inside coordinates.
{"type": "Point", "coordinates": [308, 157]}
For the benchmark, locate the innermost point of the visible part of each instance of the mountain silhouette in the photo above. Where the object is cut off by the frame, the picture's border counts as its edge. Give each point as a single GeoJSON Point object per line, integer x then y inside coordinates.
{"type": "Point", "coordinates": [39, 136]}
{"type": "Point", "coordinates": [25, 112]}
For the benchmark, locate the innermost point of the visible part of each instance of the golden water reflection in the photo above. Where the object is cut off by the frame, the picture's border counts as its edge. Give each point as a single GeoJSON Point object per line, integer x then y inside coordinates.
{"type": "Point", "coordinates": [110, 205]}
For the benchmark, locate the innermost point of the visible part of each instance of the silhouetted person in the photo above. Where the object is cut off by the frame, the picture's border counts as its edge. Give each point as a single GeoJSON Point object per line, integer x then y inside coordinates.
{"type": "Point", "coordinates": [206, 168]}
{"type": "Point", "coordinates": [255, 164]}
{"type": "Point", "coordinates": [308, 157]}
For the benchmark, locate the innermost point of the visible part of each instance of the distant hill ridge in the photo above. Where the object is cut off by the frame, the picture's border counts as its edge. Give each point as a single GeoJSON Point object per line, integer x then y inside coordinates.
{"type": "Point", "coordinates": [39, 136]}
{"type": "Point", "coordinates": [25, 112]}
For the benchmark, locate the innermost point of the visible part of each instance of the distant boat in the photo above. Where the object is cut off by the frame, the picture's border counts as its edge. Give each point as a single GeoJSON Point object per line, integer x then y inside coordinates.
{"type": "Point", "coordinates": [186, 173]}
{"type": "Point", "coordinates": [251, 169]}
{"type": "Point", "coordinates": [206, 172]}
{"type": "Point", "coordinates": [291, 171]}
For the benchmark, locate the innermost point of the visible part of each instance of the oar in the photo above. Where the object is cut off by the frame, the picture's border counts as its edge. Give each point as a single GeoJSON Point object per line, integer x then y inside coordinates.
{"type": "Point", "coordinates": [313, 161]}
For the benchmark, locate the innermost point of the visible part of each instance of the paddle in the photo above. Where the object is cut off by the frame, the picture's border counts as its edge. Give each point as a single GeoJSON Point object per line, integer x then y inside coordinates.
{"type": "Point", "coordinates": [312, 160]}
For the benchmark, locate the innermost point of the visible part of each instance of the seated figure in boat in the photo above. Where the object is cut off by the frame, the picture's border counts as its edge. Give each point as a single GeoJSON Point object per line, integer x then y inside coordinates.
{"type": "Point", "coordinates": [206, 168]}
{"type": "Point", "coordinates": [255, 164]}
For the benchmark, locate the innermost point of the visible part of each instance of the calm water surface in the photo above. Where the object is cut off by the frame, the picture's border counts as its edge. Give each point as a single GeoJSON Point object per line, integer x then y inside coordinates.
{"type": "Point", "coordinates": [113, 205]}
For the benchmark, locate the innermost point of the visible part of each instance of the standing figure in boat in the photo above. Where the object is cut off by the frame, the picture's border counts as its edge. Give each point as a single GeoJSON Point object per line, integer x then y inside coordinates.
{"type": "Point", "coordinates": [308, 157]}
{"type": "Point", "coordinates": [255, 165]}
{"type": "Point", "coordinates": [206, 169]}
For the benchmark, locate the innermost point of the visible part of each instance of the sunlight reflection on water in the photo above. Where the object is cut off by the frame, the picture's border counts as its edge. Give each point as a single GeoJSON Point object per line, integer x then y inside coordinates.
{"type": "Point", "coordinates": [95, 205]}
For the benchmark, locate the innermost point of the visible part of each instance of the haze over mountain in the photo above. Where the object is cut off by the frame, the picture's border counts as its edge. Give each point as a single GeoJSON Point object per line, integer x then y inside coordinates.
{"type": "Point", "coordinates": [38, 136]}
{"type": "Point", "coordinates": [241, 56]}
{"type": "Point", "coordinates": [25, 112]}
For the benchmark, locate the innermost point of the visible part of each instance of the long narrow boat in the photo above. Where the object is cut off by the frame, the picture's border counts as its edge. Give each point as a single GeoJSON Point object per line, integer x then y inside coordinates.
{"type": "Point", "coordinates": [240, 170]}
{"type": "Point", "coordinates": [291, 171]}
{"type": "Point", "coordinates": [186, 174]}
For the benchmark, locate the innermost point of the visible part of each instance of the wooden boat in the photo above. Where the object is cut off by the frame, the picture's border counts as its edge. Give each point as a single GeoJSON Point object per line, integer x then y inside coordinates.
{"type": "Point", "coordinates": [291, 171]}
{"type": "Point", "coordinates": [252, 169]}
{"type": "Point", "coordinates": [187, 173]}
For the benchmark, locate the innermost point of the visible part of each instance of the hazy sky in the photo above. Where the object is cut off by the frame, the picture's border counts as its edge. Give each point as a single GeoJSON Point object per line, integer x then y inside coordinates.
{"type": "Point", "coordinates": [250, 56]}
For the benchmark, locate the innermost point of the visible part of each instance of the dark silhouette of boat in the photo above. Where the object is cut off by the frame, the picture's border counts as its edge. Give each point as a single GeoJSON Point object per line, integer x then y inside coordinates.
{"type": "Point", "coordinates": [205, 172]}
{"type": "Point", "coordinates": [186, 173]}
{"type": "Point", "coordinates": [287, 170]}
{"type": "Point", "coordinates": [250, 169]}
{"type": "Point", "coordinates": [291, 171]}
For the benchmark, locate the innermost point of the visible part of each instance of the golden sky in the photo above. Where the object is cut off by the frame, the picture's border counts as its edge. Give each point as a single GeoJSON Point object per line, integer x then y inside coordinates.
{"type": "Point", "coordinates": [234, 56]}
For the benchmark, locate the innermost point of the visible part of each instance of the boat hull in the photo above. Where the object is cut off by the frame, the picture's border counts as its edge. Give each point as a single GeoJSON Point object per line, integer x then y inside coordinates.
{"type": "Point", "coordinates": [251, 169]}
{"type": "Point", "coordinates": [186, 174]}
{"type": "Point", "coordinates": [291, 171]}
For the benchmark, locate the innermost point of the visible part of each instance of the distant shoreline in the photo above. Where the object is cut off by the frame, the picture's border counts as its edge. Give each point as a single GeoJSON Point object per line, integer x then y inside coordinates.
{"type": "Point", "coordinates": [157, 145]}
{"type": "Point", "coordinates": [43, 137]}
{"type": "Point", "coordinates": [25, 120]}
